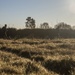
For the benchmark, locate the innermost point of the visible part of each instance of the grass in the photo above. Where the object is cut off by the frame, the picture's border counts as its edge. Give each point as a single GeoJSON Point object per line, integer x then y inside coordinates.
{"type": "Point", "coordinates": [63, 67]}
{"type": "Point", "coordinates": [37, 57]}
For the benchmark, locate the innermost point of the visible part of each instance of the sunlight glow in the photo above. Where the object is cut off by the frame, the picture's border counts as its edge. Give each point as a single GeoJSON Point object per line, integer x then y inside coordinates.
{"type": "Point", "coordinates": [72, 6]}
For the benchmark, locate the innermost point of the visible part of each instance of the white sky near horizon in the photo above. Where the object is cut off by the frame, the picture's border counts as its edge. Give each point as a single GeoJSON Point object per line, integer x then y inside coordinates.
{"type": "Point", "coordinates": [72, 6]}
{"type": "Point", "coordinates": [14, 12]}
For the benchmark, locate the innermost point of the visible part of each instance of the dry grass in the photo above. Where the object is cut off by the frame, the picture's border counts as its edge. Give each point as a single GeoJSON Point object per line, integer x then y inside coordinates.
{"type": "Point", "coordinates": [37, 57]}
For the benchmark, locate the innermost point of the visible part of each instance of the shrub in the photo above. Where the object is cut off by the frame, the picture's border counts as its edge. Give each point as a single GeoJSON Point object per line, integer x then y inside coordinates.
{"type": "Point", "coordinates": [63, 67]}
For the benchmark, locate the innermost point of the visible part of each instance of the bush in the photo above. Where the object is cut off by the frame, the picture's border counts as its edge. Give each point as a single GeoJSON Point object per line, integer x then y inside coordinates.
{"type": "Point", "coordinates": [63, 67]}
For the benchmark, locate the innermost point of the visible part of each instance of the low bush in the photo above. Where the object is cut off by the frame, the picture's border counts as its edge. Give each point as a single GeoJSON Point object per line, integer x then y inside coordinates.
{"type": "Point", "coordinates": [63, 67]}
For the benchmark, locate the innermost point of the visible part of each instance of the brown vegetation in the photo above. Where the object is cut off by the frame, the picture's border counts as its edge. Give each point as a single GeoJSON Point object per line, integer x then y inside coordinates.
{"type": "Point", "coordinates": [37, 57]}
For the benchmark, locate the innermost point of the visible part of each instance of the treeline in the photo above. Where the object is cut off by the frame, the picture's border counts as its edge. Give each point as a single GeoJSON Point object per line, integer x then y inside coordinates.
{"type": "Point", "coordinates": [38, 33]}
{"type": "Point", "coordinates": [46, 33]}
{"type": "Point", "coordinates": [61, 30]}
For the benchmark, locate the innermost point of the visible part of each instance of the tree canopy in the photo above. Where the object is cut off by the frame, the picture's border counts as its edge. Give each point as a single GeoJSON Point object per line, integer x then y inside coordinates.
{"type": "Point", "coordinates": [45, 25]}
{"type": "Point", "coordinates": [30, 23]}
{"type": "Point", "coordinates": [62, 25]}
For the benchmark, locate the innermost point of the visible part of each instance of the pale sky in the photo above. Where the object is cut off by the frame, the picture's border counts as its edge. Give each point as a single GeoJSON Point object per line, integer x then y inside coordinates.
{"type": "Point", "coordinates": [14, 12]}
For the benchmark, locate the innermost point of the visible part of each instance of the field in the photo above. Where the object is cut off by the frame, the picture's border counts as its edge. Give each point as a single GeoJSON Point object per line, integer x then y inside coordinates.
{"type": "Point", "coordinates": [37, 56]}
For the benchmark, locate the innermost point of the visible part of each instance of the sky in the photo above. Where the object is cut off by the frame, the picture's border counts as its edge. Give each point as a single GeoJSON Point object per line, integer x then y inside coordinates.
{"type": "Point", "coordinates": [14, 12]}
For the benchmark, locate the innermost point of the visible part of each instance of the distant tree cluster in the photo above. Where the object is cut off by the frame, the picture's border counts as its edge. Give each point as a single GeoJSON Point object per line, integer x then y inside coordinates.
{"type": "Point", "coordinates": [30, 24]}
{"type": "Point", "coordinates": [60, 30]}
{"type": "Point", "coordinates": [62, 25]}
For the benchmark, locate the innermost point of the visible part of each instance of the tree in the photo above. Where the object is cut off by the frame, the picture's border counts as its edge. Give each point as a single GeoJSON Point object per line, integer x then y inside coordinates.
{"type": "Point", "coordinates": [45, 25]}
{"type": "Point", "coordinates": [30, 23]}
{"type": "Point", "coordinates": [62, 25]}
{"type": "Point", "coordinates": [4, 31]}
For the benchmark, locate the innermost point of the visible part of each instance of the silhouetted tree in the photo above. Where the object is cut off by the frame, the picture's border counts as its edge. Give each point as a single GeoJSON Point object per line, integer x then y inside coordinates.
{"type": "Point", "coordinates": [62, 25]}
{"type": "Point", "coordinates": [45, 25]}
{"type": "Point", "coordinates": [30, 23]}
{"type": "Point", "coordinates": [4, 31]}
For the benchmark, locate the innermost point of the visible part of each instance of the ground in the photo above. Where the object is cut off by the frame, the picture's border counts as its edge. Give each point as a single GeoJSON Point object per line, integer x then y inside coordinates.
{"type": "Point", "coordinates": [37, 56]}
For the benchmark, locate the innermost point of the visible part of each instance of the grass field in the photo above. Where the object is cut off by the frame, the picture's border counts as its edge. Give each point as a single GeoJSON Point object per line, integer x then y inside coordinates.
{"type": "Point", "coordinates": [37, 57]}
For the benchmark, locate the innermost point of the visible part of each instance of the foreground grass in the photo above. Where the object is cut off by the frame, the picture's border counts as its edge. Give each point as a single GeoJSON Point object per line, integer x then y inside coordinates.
{"type": "Point", "coordinates": [37, 57]}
